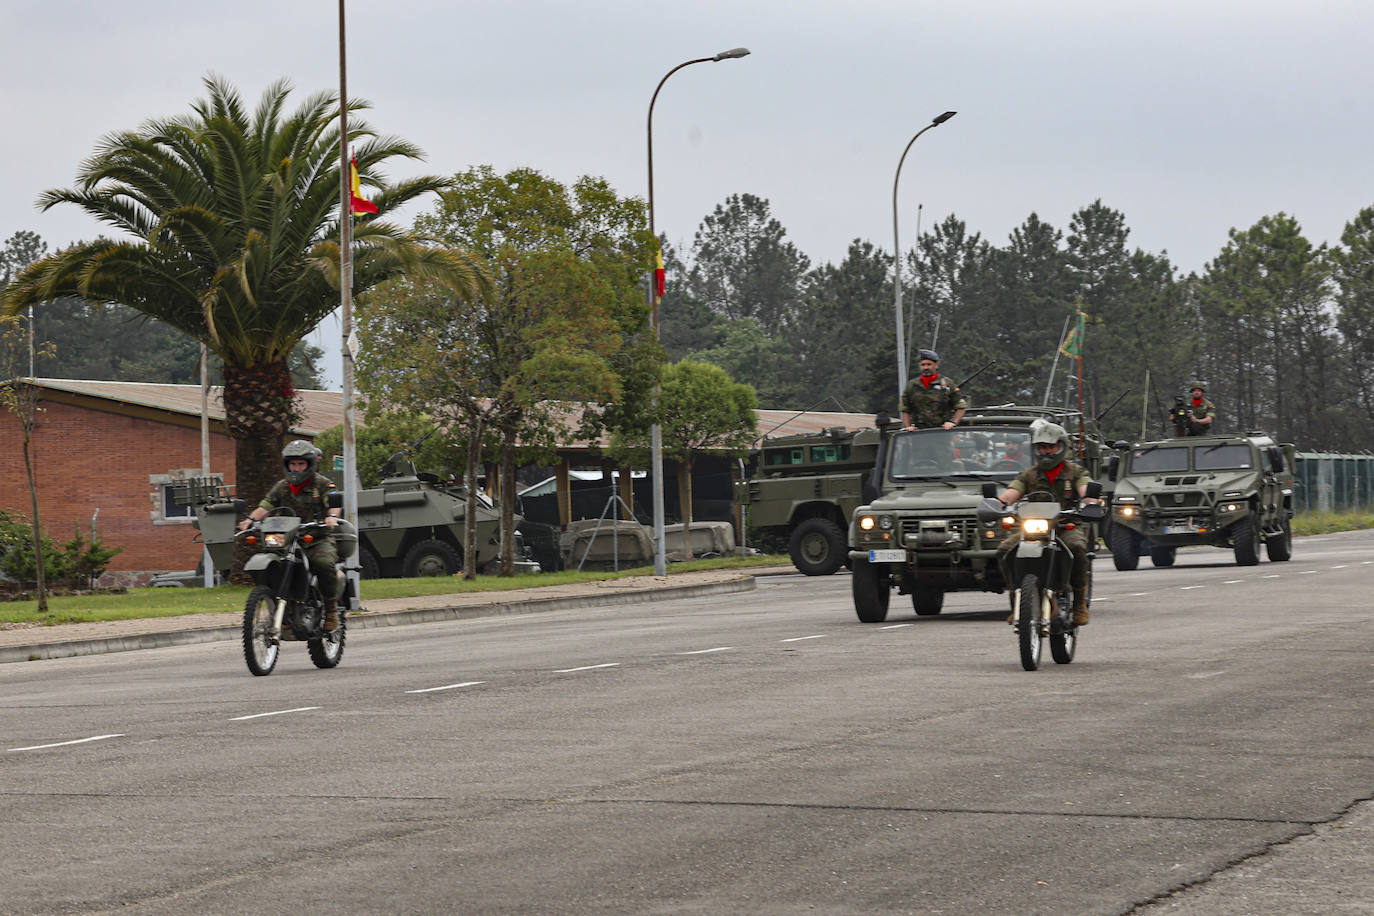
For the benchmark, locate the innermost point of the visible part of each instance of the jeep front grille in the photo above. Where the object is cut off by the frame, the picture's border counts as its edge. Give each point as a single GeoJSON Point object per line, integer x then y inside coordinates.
{"type": "Point", "coordinates": [939, 534]}
{"type": "Point", "coordinates": [1179, 499]}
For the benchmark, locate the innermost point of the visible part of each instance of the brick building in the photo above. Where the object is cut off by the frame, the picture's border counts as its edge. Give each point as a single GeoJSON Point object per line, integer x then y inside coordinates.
{"type": "Point", "coordinates": [106, 455]}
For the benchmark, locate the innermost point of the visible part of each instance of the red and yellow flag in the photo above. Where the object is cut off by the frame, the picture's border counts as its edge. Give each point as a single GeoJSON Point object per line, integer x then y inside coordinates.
{"type": "Point", "coordinates": [659, 274]}
{"type": "Point", "coordinates": [360, 203]}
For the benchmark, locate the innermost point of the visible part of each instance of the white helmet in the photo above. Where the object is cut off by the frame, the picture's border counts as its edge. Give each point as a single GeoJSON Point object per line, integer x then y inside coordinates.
{"type": "Point", "coordinates": [1043, 433]}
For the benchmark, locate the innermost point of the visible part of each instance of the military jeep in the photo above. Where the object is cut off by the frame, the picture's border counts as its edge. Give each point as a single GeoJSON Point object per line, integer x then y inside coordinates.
{"type": "Point", "coordinates": [919, 533]}
{"type": "Point", "coordinates": [1232, 491]}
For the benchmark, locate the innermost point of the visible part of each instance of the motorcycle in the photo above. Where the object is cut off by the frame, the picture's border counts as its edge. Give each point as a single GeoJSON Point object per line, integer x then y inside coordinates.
{"type": "Point", "coordinates": [1042, 599]}
{"type": "Point", "coordinates": [287, 602]}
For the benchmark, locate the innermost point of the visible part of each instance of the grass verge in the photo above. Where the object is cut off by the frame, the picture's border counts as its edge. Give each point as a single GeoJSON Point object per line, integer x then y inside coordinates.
{"type": "Point", "coordinates": [176, 602]}
{"type": "Point", "coordinates": [1328, 522]}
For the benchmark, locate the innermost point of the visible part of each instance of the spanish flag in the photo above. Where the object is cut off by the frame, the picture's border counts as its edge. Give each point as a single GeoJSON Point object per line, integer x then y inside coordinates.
{"type": "Point", "coordinates": [659, 273]}
{"type": "Point", "coordinates": [360, 203]}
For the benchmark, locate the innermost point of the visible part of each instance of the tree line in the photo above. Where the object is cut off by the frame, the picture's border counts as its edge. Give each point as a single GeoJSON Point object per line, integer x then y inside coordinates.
{"type": "Point", "coordinates": [1280, 330]}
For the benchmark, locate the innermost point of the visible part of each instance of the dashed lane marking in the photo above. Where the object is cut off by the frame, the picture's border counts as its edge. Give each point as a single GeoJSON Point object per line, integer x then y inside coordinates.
{"type": "Point", "coordinates": [279, 712]}
{"type": "Point", "coordinates": [705, 651]}
{"type": "Point", "coordinates": [587, 668]}
{"type": "Point", "coordinates": [40, 747]}
{"type": "Point", "coordinates": [1186, 587]}
{"type": "Point", "coordinates": [896, 626]}
{"type": "Point", "coordinates": [800, 638]}
{"type": "Point", "coordinates": [447, 687]}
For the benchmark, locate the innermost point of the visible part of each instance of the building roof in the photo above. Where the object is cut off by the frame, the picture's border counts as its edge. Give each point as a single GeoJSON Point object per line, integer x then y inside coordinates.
{"type": "Point", "coordinates": [324, 409]}
{"type": "Point", "coordinates": [320, 409]}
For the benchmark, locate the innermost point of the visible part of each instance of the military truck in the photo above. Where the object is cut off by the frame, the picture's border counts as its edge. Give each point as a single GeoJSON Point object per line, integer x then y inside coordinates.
{"type": "Point", "coordinates": [1231, 491]}
{"type": "Point", "coordinates": [920, 533]}
{"type": "Point", "coordinates": [803, 490]}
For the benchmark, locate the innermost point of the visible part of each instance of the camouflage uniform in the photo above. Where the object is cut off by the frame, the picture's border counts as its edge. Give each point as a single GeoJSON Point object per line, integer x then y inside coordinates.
{"type": "Point", "coordinates": [311, 504]}
{"type": "Point", "coordinates": [932, 406]}
{"type": "Point", "coordinates": [1065, 489]}
{"type": "Point", "coordinates": [1201, 412]}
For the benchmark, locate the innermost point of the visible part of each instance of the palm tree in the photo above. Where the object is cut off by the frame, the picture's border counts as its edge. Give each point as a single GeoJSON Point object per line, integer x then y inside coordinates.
{"type": "Point", "coordinates": [235, 241]}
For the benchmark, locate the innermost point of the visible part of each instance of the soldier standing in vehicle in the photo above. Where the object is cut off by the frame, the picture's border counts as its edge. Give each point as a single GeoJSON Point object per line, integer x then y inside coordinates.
{"type": "Point", "coordinates": [307, 493]}
{"type": "Point", "coordinates": [931, 399]}
{"type": "Point", "coordinates": [1053, 478]}
{"type": "Point", "coordinates": [1200, 410]}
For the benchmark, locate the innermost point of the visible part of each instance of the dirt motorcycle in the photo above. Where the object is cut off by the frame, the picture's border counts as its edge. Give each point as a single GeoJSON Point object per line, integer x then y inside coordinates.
{"type": "Point", "coordinates": [287, 603]}
{"type": "Point", "coordinates": [1041, 596]}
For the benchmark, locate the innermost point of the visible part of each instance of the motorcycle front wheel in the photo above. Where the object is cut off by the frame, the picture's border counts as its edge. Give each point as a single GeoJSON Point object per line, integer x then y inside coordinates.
{"type": "Point", "coordinates": [327, 651]}
{"type": "Point", "coordinates": [1063, 643]}
{"type": "Point", "coordinates": [259, 649]}
{"type": "Point", "coordinates": [1028, 622]}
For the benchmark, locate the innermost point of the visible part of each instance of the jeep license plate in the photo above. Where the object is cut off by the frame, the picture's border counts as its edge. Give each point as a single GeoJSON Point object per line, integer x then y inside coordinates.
{"type": "Point", "coordinates": [1180, 529]}
{"type": "Point", "coordinates": [887, 556]}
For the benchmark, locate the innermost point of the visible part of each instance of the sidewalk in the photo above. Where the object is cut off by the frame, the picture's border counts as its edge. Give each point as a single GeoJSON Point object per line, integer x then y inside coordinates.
{"type": "Point", "coordinates": [65, 640]}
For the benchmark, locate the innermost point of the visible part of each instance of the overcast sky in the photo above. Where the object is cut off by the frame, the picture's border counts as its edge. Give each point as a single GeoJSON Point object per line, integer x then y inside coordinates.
{"type": "Point", "coordinates": [1192, 117]}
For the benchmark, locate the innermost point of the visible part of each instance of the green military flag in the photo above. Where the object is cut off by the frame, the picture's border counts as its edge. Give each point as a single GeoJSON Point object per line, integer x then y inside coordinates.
{"type": "Point", "coordinates": [1073, 344]}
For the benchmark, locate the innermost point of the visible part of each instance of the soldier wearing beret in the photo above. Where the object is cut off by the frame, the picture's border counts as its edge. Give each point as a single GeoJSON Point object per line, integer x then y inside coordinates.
{"type": "Point", "coordinates": [931, 399]}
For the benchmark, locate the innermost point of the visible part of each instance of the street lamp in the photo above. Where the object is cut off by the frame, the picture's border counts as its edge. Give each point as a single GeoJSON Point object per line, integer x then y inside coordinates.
{"type": "Point", "coordinates": [656, 430]}
{"type": "Point", "coordinates": [897, 257]}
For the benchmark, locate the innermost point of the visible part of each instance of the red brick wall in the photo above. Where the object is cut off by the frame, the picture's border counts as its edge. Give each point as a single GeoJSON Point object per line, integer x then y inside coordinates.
{"type": "Point", "coordinates": [86, 460]}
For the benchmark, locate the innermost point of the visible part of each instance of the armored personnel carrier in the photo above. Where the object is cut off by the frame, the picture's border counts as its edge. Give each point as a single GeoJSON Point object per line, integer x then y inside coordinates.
{"type": "Point", "coordinates": [410, 524]}
{"type": "Point", "coordinates": [919, 532]}
{"type": "Point", "coordinates": [1232, 491]}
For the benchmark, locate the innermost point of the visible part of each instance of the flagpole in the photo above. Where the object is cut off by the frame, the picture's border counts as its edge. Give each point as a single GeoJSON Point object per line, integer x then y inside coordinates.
{"type": "Point", "coordinates": [1055, 365]}
{"type": "Point", "coordinates": [346, 307]}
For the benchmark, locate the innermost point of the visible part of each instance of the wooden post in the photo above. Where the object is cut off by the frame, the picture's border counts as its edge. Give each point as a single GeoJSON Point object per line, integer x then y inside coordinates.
{"type": "Point", "coordinates": [564, 489]}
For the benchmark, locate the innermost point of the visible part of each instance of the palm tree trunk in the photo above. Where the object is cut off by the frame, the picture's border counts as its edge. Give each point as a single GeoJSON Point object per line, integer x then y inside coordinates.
{"type": "Point", "coordinates": [259, 410]}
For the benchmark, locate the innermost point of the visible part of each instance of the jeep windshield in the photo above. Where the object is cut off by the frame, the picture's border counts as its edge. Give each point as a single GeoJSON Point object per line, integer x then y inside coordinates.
{"type": "Point", "coordinates": [1157, 460]}
{"type": "Point", "coordinates": [1224, 457]}
{"type": "Point", "coordinates": [965, 452]}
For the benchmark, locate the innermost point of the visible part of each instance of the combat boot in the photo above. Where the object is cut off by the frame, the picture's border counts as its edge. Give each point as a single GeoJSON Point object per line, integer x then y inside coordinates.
{"type": "Point", "coordinates": [1080, 609]}
{"type": "Point", "coordinates": [331, 614]}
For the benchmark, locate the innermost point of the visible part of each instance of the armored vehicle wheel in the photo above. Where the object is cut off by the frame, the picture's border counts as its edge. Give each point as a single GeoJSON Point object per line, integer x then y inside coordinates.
{"type": "Point", "coordinates": [1245, 535]}
{"type": "Point", "coordinates": [432, 558]}
{"type": "Point", "coordinates": [1279, 547]}
{"type": "Point", "coordinates": [259, 651]}
{"type": "Point", "coordinates": [871, 592]}
{"type": "Point", "coordinates": [927, 602]}
{"type": "Point", "coordinates": [1163, 556]}
{"type": "Point", "coordinates": [817, 547]}
{"type": "Point", "coordinates": [368, 566]}
{"type": "Point", "coordinates": [328, 651]}
{"type": "Point", "coordinates": [1121, 542]}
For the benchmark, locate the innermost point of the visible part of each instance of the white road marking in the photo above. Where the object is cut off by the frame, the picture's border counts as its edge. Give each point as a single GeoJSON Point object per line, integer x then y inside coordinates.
{"type": "Point", "coordinates": [1233, 582]}
{"type": "Point", "coordinates": [1186, 587]}
{"type": "Point", "coordinates": [279, 712]}
{"type": "Point", "coordinates": [40, 747]}
{"type": "Point", "coordinates": [705, 651]}
{"type": "Point", "coordinates": [1342, 566]}
{"type": "Point", "coordinates": [1307, 572]}
{"type": "Point", "coordinates": [800, 638]}
{"type": "Point", "coordinates": [447, 687]}
{"type": "Point", "coordinates": [1271, 576]}
{"type": "Point", "coordinates": [896, 626]}
{"type": "Point", "coordinates": [587, 668]}
{"type": "Point", "coordinates": [1137, 594]}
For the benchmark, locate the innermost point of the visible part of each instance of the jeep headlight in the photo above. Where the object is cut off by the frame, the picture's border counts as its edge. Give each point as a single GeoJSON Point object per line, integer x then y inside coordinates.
{"type": "Point", "coordinates": [870, 522]}
{"type": "Point", "coordinates": [1126, 511]}
{"type": "Point", "coordinates": [1035, 527]}
{"type": "Point", "coordinates": [1230, 507]}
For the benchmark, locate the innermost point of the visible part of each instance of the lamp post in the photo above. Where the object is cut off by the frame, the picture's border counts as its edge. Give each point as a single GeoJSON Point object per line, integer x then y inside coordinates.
{"type": "Point", "coordinates": [897, 257]}
{"type": "Point", "coordinates": [656, 430]}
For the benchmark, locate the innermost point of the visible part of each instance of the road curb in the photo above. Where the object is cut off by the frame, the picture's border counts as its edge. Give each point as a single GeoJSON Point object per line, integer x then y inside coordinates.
{"type": "Point", "coordinates": [367, 621]}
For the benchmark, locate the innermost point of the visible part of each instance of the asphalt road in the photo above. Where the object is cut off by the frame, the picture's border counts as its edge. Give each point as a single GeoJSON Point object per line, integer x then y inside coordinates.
{"type": "Point", "coordinates": [752, 753]}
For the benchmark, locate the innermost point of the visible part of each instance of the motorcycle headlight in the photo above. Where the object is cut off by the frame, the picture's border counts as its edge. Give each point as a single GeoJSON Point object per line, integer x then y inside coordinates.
{"type": "Point", "coordinates": [1035, 527]}
{"type": "Point", "coordinates": [274, 539]}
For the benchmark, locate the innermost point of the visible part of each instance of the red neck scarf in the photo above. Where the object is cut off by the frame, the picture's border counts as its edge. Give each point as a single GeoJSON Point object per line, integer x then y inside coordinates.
{"type": "Point", "coordinates": [1197, 402]}
{"type": "Point", "coordinates": [1053, 473]}
{"type": "Point", "coordinates": [928, 380]}
{"type": "Point", "coordinates": [296, 490]}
